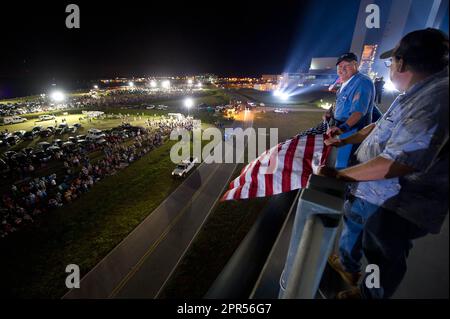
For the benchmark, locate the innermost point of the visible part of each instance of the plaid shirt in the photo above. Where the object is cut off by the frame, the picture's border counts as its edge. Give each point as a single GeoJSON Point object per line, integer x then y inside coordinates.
{"type": "Point", "coordinates": [413, 132]}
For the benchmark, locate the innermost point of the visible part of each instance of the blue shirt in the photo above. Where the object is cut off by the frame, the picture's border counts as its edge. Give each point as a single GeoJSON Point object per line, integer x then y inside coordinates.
{"type": "Point", "coordinates": [413, 132]}
{"type": "Point", "coordinates": [357, 96]}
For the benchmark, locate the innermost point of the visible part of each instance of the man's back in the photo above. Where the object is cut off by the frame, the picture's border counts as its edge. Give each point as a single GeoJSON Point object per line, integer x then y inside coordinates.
{"type": "Point", "coordinates": [413, 132]}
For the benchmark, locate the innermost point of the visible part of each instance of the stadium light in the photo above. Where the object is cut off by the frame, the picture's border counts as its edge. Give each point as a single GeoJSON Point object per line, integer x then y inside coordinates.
{"type": "Point", "coordinates": [166, 84]}
{"type": "Point", "coordinates": [130, 84]}
{"type": "Point", "coordinates": [188, 102]}
{"type": "Point", "coordinates": [58, 96]}
{"type": "Point", "coordinates": [190, 81]}
{"type": "Point", "coordinates": [153, 84]}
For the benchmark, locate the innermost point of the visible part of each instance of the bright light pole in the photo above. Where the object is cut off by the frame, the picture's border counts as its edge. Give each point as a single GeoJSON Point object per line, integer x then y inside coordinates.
{"type": "Point", "coordinates": [166, 84]}
{"type": "Point", "coordinates": [58, 96]}
{"type": "Point", "coordinates": [188, 103]}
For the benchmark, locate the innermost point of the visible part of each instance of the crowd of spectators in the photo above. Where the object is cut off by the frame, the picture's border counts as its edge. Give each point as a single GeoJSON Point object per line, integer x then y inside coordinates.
{"type": "Point", "coordinates": [31, 197]}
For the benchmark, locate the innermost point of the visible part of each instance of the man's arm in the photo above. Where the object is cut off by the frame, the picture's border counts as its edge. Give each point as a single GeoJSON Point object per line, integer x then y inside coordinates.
{"type": "Point", "coordinates": [356, 138]}
{"type": "Point", "coordinates": [353, 119]}
{"type": "Point", "coordinates": [375, 169]}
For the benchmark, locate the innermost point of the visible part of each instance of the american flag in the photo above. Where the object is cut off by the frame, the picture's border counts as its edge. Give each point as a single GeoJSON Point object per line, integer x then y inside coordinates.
{"type": "Point", "coordinates": [284, 167]}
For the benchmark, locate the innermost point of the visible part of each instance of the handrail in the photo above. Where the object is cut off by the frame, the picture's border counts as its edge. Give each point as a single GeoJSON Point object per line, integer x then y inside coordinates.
{"type": "Point", "coordinates": [318, 211]}
{"type": "Point", "coordinates": [242, 270]}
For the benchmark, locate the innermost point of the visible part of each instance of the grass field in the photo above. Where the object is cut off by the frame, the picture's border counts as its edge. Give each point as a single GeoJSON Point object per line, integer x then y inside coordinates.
{"type": "Point", "coordinates": [230, 221]}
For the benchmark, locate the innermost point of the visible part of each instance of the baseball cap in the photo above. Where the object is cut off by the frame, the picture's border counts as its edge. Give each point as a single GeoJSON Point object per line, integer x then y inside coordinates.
{"type": "Point", "coordinates": [421, 45]}
{"type": "Point", "coordinates": [349, 56]}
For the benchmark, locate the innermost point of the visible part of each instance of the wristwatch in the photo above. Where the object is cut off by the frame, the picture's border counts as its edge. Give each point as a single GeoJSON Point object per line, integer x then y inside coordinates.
{"type": "Point", "coordinates": [344, 127]}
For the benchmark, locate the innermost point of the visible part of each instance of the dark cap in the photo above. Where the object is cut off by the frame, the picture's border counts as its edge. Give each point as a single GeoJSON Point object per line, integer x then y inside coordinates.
{"type": "Point", "coordinates": [349, 56]}
{"type": "Point", "coordinates": [421, 45]}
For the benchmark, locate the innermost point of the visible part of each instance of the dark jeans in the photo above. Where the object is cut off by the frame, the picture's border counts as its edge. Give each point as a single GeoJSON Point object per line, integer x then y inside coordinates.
{"type": "Point", "coordinates": [386, 242]}
{"type": "Point", "coordinates": [378, 98]}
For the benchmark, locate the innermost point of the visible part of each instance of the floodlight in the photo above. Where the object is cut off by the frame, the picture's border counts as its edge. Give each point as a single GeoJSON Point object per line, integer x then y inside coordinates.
{"type": "Point", "coordinates": [58, 96]}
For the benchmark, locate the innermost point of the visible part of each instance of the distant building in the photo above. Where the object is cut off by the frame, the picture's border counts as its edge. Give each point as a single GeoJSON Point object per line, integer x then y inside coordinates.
{"type": "Point", "coordinates": [274, 78]}
{"type": "Point", "coordinates": [367, 60]}
{"type": "Point", "coordinates": [265, 86]}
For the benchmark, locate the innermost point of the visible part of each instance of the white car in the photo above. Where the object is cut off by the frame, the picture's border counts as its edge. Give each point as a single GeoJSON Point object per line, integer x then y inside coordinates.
{"type": "Point", "coordinates": [281, 111]}
{"type": "Point", "coordinates": [46, 117]}
{"type": "Point", "coordinates": [94, 134]}
{"type": "Point", "coordinates": [184, 167]}
{"type": "Point", "coordinates": [12, 120]}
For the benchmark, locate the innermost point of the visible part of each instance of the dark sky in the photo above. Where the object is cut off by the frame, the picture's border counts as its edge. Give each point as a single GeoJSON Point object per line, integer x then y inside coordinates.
{"type": "Point", "coordinates": [162, 37]}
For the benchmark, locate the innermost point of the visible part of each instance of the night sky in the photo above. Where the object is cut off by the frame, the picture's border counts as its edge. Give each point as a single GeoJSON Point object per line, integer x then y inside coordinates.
{"type": "Point", "coordinates": [163, 37]}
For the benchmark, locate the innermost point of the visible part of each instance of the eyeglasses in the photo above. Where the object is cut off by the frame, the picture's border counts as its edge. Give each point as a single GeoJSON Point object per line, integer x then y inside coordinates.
{"type": "Point", "coordinates": [388, 62]}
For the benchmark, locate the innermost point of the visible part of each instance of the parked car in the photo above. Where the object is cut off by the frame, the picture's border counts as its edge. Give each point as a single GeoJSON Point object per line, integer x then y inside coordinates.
{"type": "Point", "coordinates": [45, 133]}
{"type": "Point", "coordinates": [27, 151]}
{"type": "Point", "coordinates": [68, 146]}
{"type": "Point", "coordinates": [72, 129]}
{"type": "Point", "coordinates": [37, 129]}
{"type": "Point", "coordinates": [19, 133]}
{"type": "Point", "coordinates": [29, 135]}
{"type": "Point", "coordinates": [94, 134]}
{"type": "Point", "coordinates": [46, 117]}
{"type": "Point", "coordinates": [40, 157]}
{"type": "Point", "coordinates": [7, 155]}
{"type": "Point", "coordinates": [58, 142]}
{"type": "Point", "coordinates": [44, 145]}
{"type": "Point", "coordinates": [12, 140]}
{"type": "Point", "coordinates": [11, 120]}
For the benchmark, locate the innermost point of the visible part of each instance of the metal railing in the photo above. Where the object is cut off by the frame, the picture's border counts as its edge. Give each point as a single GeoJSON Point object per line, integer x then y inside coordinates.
{"type": "Point", "coordinates": [266, 260]}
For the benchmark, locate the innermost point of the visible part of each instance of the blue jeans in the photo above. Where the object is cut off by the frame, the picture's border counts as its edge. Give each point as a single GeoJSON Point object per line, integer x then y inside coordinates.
{"type": "Point", "coordinates": [386, 242]}
{"type": "Point", "coordinates": [356, 213]}
{"type": "Point", "coordinates": [384, 238]}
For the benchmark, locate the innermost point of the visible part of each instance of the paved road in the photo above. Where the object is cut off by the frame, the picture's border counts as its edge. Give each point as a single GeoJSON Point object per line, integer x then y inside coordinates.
{"type": "Point", "coordinates": [140, 265]}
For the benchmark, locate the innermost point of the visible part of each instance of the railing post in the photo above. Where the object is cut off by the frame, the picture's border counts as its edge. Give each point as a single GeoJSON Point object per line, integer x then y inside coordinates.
{"type": "Point", "coordinates": [319, 211]}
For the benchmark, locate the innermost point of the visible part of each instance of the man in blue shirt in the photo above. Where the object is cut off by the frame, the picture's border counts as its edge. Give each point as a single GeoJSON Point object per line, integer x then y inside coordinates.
{"type": "Point", "coordinates": [354, 104]}
{"type": "Point", "coordinates": [399, 191]}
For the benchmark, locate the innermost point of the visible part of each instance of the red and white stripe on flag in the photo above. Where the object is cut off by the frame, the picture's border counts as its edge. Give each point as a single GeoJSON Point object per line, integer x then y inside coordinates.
{"type": "Point", "coordinates": [285, 167]}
